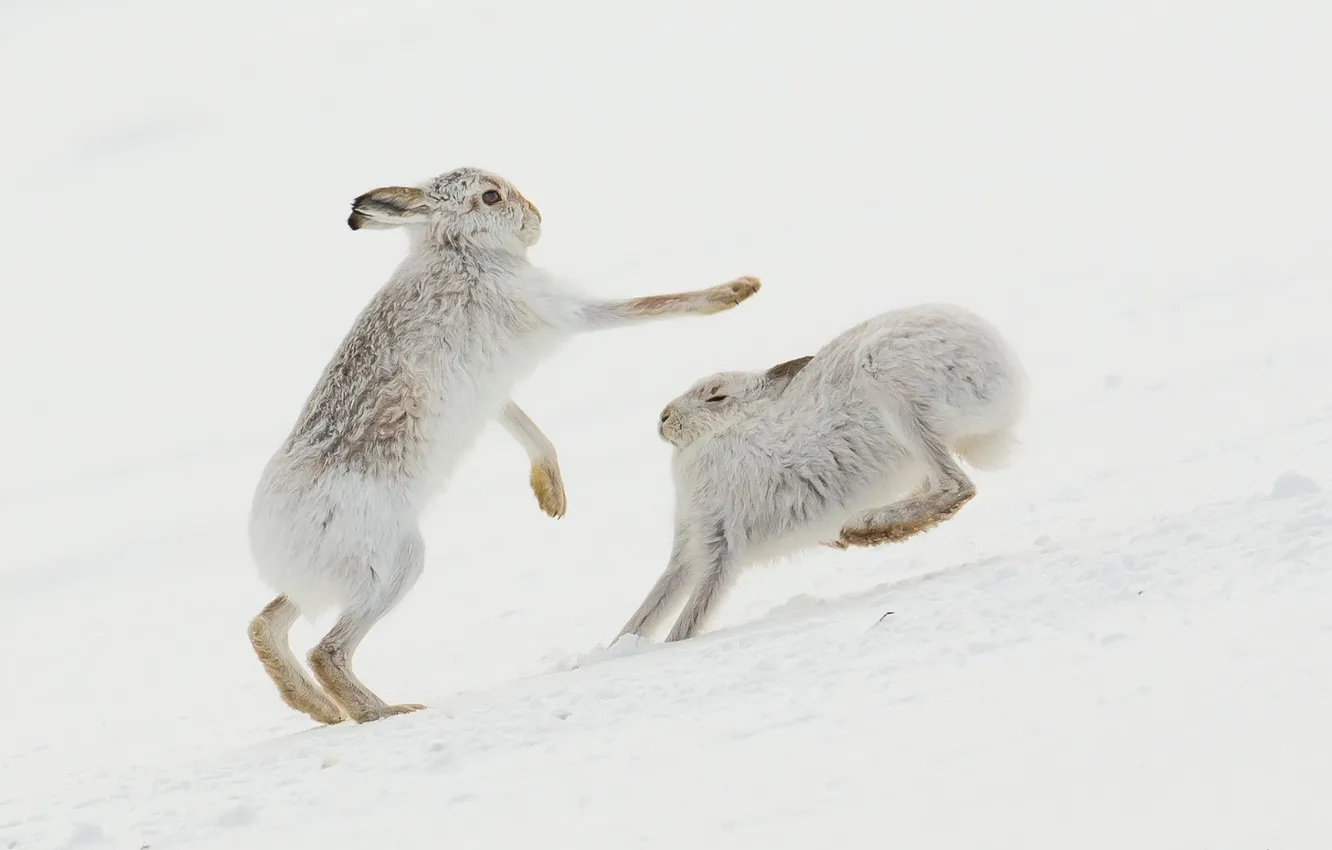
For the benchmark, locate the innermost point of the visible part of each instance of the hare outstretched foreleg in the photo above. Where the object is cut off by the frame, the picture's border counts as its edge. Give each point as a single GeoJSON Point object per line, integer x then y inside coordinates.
{"type": "Point", "coordinates": [669, 589]}
{"type": "Point", "coordinates": [546, 481]}
{"type": "Point", "coordinates": [268, 634]}
{"type": "Point", "coordinates": [713, 576]}
{"type": "Point", "coordinates": [600, 315]}
{"type": "Point", "coordinates": [331, 658]}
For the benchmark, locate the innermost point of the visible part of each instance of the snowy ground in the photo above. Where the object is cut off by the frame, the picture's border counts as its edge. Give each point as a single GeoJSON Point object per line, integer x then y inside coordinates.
{"type": "Point", "coordinates": [1123, 642]}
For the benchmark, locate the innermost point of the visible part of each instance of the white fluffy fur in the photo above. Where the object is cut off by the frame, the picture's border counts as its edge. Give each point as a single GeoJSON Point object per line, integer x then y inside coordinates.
{"type": "Point", "coordinates": [426, 366]}
{"type": "Point", "coordinates": [855, 444]}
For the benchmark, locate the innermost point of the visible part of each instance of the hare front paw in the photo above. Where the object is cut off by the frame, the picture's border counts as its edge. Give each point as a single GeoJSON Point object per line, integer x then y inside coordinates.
{"type": "Point", "coordinates": [548, 485]}
{"type": "Point", "coordinates": [728, 295]}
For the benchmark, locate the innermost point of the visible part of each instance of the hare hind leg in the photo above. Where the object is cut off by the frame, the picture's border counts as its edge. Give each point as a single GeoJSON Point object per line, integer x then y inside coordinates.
{"type": "Point", "coordinates": [331, 658]}
{"type": "Point", "coordinates": [268, 635]}
{"type": "Point", "coordinates": [937, 500]}
{"type": "Point", "coordinates": [901, 520]}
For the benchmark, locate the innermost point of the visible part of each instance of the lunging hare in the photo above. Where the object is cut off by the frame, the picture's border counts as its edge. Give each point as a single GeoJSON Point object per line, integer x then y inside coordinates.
{"type": "Point", "coordinates": [427, 364]}
{"type": "Point", "coordinates": [855, 444]}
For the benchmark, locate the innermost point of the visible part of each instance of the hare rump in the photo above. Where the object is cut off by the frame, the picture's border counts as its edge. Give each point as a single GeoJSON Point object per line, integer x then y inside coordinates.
{"type": "Point", "coordinates": [856, 444]}
{"type": "Point", "coordinates": [428, 363]}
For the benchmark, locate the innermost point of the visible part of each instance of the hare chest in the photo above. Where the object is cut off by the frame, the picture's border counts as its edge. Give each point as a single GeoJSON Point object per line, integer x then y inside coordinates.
{"type": "Point", "coordinates": [488, 345]}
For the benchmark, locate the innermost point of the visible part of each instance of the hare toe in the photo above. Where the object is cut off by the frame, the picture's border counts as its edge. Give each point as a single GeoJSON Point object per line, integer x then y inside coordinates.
{"type": "Point", "coordinates": [373, 713]}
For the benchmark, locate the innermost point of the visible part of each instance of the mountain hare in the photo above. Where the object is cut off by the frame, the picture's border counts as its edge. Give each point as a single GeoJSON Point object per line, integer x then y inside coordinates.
{"type": "Point", "coordinates": [855, 442]}
{"type": "Point", "coordinates": [427, 364]}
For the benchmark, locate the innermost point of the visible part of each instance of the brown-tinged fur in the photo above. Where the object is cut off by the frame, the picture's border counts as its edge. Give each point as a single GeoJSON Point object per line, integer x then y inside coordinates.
{"type": "Point", "coordinates": [876, 535]}
{"type": "Point", "coordinates": [654, 305]}
{"type": "Point", "coordinates": [295, 690]}
{"type": "Point", "coordinates": [331, 666]}
{"type": "Point", "coordinates": [366, 409]}
{"type": "Point", "coordinates": [789, 369]}
{"type": "Point", "coordinates": [397, 200]}
{"type": "Point", "coordinates": [721, 298]}
{"type": "Point", "coordinates": [549, 489]}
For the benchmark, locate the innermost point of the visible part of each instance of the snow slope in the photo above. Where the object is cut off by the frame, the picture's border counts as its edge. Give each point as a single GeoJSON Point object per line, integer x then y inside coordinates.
{"type": "Point", "coordinates": [1124, 641]}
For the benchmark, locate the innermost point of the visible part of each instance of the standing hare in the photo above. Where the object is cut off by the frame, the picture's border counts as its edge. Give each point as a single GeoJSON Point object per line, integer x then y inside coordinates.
{"type": "Point", "coordinates": [427, 364]}
{"type": "Point", "coordinates": [855, 443]}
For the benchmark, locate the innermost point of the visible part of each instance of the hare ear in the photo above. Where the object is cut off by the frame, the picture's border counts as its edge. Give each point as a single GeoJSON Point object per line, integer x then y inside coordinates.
{"type": "Point", "coordinates": [781, 374]}
{"type": "Point", "coordinates": [388, 207]}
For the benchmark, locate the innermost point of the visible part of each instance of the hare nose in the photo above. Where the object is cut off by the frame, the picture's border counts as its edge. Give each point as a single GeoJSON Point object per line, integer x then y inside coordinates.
{"type": "Point", "coordinates": [665, 414]}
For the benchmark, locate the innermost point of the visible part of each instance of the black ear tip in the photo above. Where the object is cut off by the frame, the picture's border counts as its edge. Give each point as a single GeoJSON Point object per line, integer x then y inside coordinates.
{"type": "Point", "coordinates": [355, 220]}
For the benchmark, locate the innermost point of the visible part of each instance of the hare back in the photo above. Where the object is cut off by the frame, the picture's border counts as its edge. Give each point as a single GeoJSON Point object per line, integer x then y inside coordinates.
{"type": "Point", "coordinates": [426, 366]}
{"type": "Point", "coordinates": [948, 365]}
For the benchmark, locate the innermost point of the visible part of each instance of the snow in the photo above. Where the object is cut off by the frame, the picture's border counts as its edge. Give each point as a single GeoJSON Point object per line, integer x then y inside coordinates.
{"type": "Point", "coordinates": [1123, 641]}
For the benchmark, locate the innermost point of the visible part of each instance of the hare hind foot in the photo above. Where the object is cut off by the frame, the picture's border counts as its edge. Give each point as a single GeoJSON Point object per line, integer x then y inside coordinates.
{"type": "Point", "coordinates": [369, 714]}
{"type": "Point", "coordinates": [268, 635]}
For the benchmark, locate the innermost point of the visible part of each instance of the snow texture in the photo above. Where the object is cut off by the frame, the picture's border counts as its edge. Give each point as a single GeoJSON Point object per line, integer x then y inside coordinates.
{"type": "Point", "coordinates": [1124, 641]}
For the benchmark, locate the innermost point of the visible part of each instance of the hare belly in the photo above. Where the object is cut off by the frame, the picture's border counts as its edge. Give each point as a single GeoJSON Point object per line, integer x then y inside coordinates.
{"type": "Point", "coordinates": [825, 529]}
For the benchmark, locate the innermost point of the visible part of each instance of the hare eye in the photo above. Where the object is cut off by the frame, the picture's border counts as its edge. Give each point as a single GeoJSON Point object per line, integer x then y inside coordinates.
{"type": "Point", "coordinates": [491, 197]}
{"type": "Point", "coordinates": [717, 398]}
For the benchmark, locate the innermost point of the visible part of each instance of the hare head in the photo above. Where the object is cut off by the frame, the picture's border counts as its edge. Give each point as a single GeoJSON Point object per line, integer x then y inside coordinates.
{"type": "Point", "coordinates": [463, 205]}
{"type": "Point", "coordinates": [723, 399]}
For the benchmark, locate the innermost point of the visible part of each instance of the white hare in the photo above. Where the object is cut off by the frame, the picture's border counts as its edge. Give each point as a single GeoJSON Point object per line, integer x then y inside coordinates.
{"type": "Point", "coordinates": [854, 444]}
{"type": "Point", "coordinates": [426, 365]}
